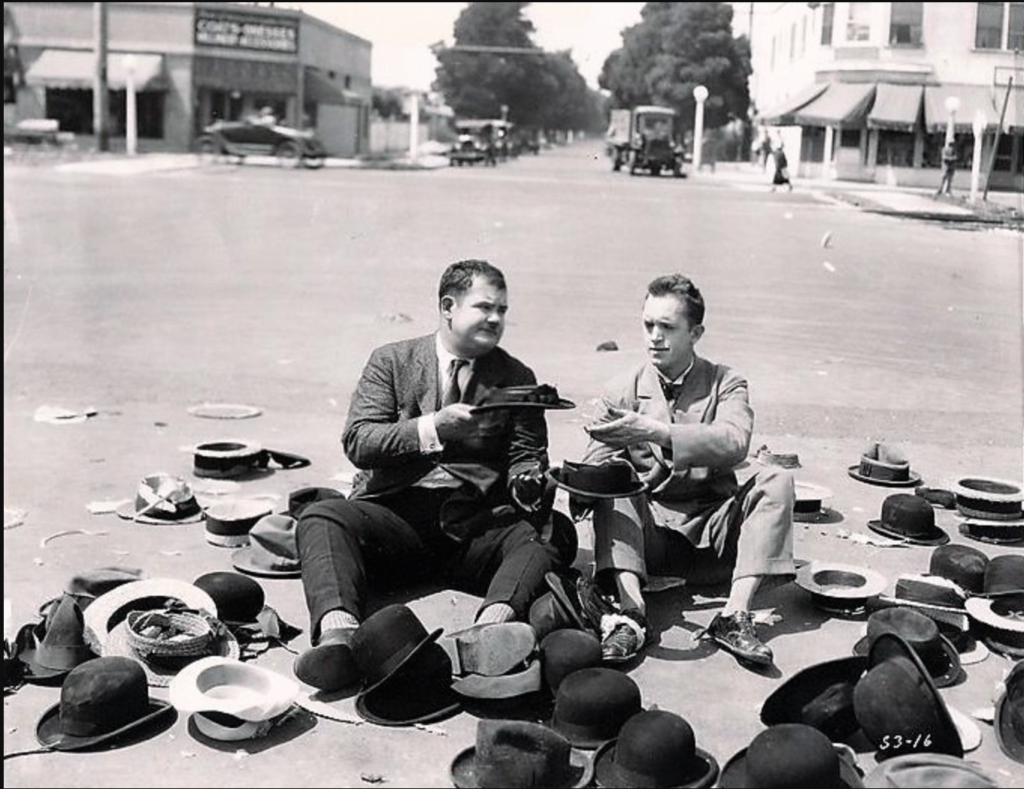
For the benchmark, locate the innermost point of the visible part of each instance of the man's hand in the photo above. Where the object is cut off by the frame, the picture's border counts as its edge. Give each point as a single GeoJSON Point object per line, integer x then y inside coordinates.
{"type": "Point", "coordinates": [528, 489]}
{"type": "Point", "coordinates": [457, 422]}
{"type": "Point", "coordinates": [628, 428]}
{"type": "Point", "coordinates": [580, 507]}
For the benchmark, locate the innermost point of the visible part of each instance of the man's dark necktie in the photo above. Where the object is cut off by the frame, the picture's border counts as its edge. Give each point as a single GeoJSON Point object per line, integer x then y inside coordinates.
{"type": "Point", "coordinates": [671, 390]}
{"type": "Point", "coordinates": [452, 388]}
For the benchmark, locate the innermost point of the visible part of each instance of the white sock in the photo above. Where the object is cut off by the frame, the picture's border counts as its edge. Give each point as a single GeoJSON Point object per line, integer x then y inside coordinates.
{"type": "Point", "coordinates": [337, 618]}
{"type": "Point", "coordinates": [496, 613]}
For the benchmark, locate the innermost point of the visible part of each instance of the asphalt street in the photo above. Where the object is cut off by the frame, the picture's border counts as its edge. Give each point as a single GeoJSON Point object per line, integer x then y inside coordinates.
{"type": "Point", "coordinates": [140, 296]}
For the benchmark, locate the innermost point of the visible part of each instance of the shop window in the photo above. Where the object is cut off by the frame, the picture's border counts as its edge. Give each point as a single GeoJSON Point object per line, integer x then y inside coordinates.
{"type": "Point", "coordinates": [348, 81]}
{"type": "Point", "coordinates": [149, 114]}
{"type": "Point", "coordinates": [989, 31]}
{"type": "Point", "coordinates": [858, 23]}
{"type": "Point", "coordinates": [905, 24]}
{"type": "Point", "coordinates": [1015, 30]}
{"type": "Point", "coordinates": [895, 148]}
{"type": "Point", "coordinates": [828, 15]}
{"type": "Point", "coordinates": [849, 138]}
{"type": "Point", "coordinates": [72, 109]}
{"type": "Point", "coordinates": [1004, 154]}
{"type": "Point", "coordinates": [963, 143]}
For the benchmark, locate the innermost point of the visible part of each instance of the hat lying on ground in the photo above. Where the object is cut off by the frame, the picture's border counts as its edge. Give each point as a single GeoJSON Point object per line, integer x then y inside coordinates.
{"type": "Point", "coordinates": [809, 501]}
{"type": "Point", "coordinates": [592, 705]}
{"type": "Point", "coordinates": [993, 532]}
{"type": "Point", "coordinates": [231, 458]}
{"type": "Point", "coordinates": [1000, 620]}
{"type": "Point", "coordinates": [911, 518]}
{"type": "Point", "coordinates": [789, 755]}
{"type": "Point", "coordinates": [62, 646]}
{"type": "Point", "coordinates": [881, 464]}
{"type": "Point", "coordinates": [925, 770]}
{"type": "Point", "coordinates": [604, 481]}
{"type": "Point", "coordinates": [272, 551]}
{"type": "Point", "coordinates": [557, 608]}
{"type": "Point", "coordinates": [517, 754]}
{"type": "Point", "coordinates": [655, 748]}
{"type": "Point", "coordinates": [1009, 720]}
{"type": "Point", "coordinates": [989, 499]}
{"type": "Point", "coordinates": [937, 653]}
{"type": "Point", "coordinates": [101, 702]}
{"type": "Point", "coordinates": [841, 589]}
{"type": "Point", "coordinates": [566, 651]}
{"type": "Point", "coordinates": [162, 498]}
{"type": "Point", "coordinates": [228, 523]}
{"type": "Point", "coordinates": [820, 696]}
{"type": "Point", "coordinates": [86, 586]}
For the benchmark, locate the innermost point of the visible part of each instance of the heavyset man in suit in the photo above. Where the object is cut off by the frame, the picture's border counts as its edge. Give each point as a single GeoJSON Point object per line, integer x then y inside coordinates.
{"type": "Point", "coordinates": [684, 423]}
{"type": "Point", "coordinates": [443, 492]}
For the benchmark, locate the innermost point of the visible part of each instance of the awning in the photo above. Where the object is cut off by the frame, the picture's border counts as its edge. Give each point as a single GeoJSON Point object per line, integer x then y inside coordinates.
{"type": "Point", "coordinates": [844, 103]}
{"type": "Point", "coordinates": [972, 98]}
{"type": "Point", "coordinates": [322, 90]}
{"type": "Point", "coordinates": [76, 68]}
{"type": "Point", "coordinates": [782, 113]}
{"type": "Point", "coordinates": [896, 107]}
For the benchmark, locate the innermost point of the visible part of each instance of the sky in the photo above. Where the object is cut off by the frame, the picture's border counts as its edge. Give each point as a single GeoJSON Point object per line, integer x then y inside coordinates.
{"type": "Point", "coordinates": [401, 33]}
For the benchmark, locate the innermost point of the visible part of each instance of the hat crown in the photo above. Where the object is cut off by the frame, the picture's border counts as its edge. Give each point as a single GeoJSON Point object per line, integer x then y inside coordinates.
{"type": "Point", "coordinates": [65, 626]}
{"type": "Point", "coordinates": [908, 515]}
{"type": "Point", "coordinates": [165, 497]}
{"type": "Point", "coordinates": [657, 748]}
{"type": "Point", "coordinates": [916, 629]}
{"type": "Point", "coordinates": [520, 754]}
{"type": "Point", "coordinates": [792, 755]}
{"type": "Point", "coordinates": [566, 651]}
{"type": "Point", "coordinates": [603, 478]}
{"type": "Point", "coordinates": [385, 639]}
{"type": "Point", "coordinates": [238, 597]}
{"type": "Point", "coordinates": [1005, 574]}
{"type": "Point", "coordinates": [103, 695]}
{"type": "Point", "coordinates": [592, 704]}
{"type": "Point", "coordinates": [961, 564]}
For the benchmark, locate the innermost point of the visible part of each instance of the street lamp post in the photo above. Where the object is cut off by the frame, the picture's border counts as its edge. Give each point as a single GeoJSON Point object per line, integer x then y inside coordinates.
{"type": "Point", "coordinates": [131, 114]}
{"type": "Point", "coordinates": [980, 122]}
{"type": "Point", "coordinates": [952, 106]}
{"type": "Point", "coordinates": [700, 93]}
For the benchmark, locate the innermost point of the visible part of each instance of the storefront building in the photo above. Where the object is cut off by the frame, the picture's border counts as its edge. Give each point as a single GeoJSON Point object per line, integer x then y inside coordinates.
{"type": "Point", "coordinates": [866, 91]}
{"type": "Point", "coordinates": [192, 64]}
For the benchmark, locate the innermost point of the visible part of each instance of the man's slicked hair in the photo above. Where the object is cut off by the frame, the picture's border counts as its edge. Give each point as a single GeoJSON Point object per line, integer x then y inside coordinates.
{"type": "Point", "coordinates": [458, 277]}
{"type": "Point", "coordinates": [683, 289]}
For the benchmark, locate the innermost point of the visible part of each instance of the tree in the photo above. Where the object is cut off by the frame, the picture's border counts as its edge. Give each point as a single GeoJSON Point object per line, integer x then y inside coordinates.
{"type": "Point", "coordinates": [674, 48]}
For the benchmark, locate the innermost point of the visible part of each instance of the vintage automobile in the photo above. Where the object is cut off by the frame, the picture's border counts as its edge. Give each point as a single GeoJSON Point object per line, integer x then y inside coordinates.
{"type": "Point", "coordinates": [647, 139]}
{"type": "Point", "coordinates": [239, 139]}
{"type": "Point", "coordinates": [485, 140]}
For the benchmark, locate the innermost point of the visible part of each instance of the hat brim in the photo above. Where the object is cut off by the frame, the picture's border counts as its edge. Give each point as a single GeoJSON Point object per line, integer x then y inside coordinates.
{"type": "Point", "coordinates": [980, 610]}
{"type": "Point", "coordinates": [913, 481]}
{"type": "Point", "coordinates": [463, 770]}
{"type": "Point", "coordinates": [605, 774]}
{"type": "Point", "coordinates": [812, 577]}
{"type": "Point", "coordinates": [158, 674]}
{"type": "Point", "coordinates": [995, 534]}
{"type": "Point", "coordinates": [635, 487]}
{"type": "Point", "coordinates": [242, 560]}
{"type": "Point", "coordinates": [126, 510]}
{"type": "Point", "coordinates": [936, 536]}
{"type": "Point", "coordinates": [37, 671]}
{"type": "Point", "coordinates": [48, 731]}
{"type": "Point", "coordinates": [954, 665]}
{"type": "Point", "coordinates": [734, 774]}
{"type": "Point", "coordinates": [430, 705]}
{"type": "Point", "coordinates": [430, 639]}
{"type": "Point", "coordinates": [97, 616]}
{"type": "Point", "coordinates": [784, 704]}
{"type": "Point", "coordinates": [275, 694]}
{"type": "Point", "coordinates": [505, 686]}
{"type": "Point", "coordinates": [561, 405]}
{"type": "Point", "coordinates": [224, 411]}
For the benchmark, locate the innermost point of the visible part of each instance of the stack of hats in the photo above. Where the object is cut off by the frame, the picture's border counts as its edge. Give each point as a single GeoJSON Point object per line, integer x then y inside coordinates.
{"type": "Point", "coordinates": [992, 508]}
{"type": "Point", "coordinates": [998, 611]}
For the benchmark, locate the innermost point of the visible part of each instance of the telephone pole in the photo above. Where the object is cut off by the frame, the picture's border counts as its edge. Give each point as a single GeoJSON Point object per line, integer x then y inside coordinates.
{"type": "Point", "coordinates": [100, 94]}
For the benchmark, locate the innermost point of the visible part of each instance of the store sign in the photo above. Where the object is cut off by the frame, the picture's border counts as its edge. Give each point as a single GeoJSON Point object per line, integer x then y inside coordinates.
{"type": "Point", "coordinates": [215, 28]}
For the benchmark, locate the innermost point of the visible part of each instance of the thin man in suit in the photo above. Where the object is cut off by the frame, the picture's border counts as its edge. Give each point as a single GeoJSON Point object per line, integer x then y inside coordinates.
{"type": "Point", "coordinates": [684, 423]}
{"type": "Point", "coordinates": [443, 492]}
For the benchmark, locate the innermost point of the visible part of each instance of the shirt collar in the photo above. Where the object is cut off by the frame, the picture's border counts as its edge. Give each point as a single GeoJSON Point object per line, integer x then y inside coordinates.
{"type": "Point", "coordinates": [678, 381]}
{"type": "Point", "coordinates": [445, 357]}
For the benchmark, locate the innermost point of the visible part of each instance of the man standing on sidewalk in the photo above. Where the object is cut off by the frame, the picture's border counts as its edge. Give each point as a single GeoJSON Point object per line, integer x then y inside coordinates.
{"type": "Point", "coordinates": [948, 169]}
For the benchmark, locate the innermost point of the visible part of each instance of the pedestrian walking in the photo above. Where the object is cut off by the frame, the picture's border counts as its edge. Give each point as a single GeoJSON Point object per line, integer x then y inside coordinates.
{"type": "Point", "coordinates": [948, 169]}
{"type": "Point", "coordinates": [781, 168]}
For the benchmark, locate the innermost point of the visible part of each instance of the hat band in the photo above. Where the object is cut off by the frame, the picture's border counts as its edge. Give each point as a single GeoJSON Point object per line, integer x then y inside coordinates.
{"type": "Point", "coordinates": [269, 561]}
{"type": "Point", "coordinates": [227, 540]}
{"type": "Point", "coordinates": [876, 469]}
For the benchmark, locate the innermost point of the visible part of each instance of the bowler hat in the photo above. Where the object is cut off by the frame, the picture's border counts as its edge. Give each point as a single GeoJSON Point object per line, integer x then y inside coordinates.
{"type": "Point", "coordinates": [989, 499]}
{"type": "Point", "coordinates": [881, 464]}
{"type": "Point", "coordinates": [1009, 720]}
{"type": "Point", "coordinates": [962, 564]}
{"type": "Point", "coordinates": [911, 518]}
{"type": "Point", "coordinates": [407, 676]}
{"type": "Point", "coordinates": [603, 481]}
{"type": "Point", "coordinates": [592, 704]}
{"type": "Point", "coordinates": [791, 756]}
{"type": "Point", "coordinates": [101, 701]}
{"type": "Point", "coordinates": [239, 598]}
{"type": "Point", "coordinates": [927, 770]}
{"type": "Point", "coordinates": [219, 686]}
{"type": "Point", "coordinates": [511, 753]}
{"type": "Point", "coordinates": [565, 651]}
{"type": "Point", "coordinates": [841, 589]}
{"type": "Point", "coordinates": [820, 696]}
{"type": "Point", "coordinates": [62, 646]}
{"type": "Point", "coordinates": [656, 748]}
{"type": "Point", "coordinates": [272, 551]}
{"type": "Point", "coordinates": [228, 523]}
{"type": "Point", "coordinates": [937, 652]}
{"type": "Point", "coordinates": [898, 705]}
{"type": "Point", "coordinates": [162, 498]}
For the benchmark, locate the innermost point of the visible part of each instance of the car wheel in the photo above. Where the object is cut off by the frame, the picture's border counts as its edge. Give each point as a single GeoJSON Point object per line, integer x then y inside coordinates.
{"type": "Point", "coordinates": [207, 150]}
{"type": "Point", "coordinates": [288, 154]}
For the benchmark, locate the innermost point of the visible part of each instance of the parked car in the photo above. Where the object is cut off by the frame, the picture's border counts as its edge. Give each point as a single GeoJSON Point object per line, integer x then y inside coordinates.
{"type": "Point", "coordinates": [647, 139]}
{"type": "Point", "coordinates": [292, 147]}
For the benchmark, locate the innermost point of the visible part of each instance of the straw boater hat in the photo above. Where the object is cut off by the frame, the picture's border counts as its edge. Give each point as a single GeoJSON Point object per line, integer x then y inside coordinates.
{"type": "Point", "coordinates": [228, 523]}
{"type": "Point", "coordinates": [842, 589]}
{"type": "Point", "coordinates": [989, 499]}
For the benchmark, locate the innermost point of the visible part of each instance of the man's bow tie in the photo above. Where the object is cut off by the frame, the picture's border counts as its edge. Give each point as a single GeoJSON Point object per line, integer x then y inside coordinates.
{"type": "Point", "coordinates": [671, 390]}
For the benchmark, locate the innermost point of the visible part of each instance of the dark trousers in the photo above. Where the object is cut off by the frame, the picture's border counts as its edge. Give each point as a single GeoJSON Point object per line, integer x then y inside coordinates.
{"type": "Point", "coordinates": [349, 547]}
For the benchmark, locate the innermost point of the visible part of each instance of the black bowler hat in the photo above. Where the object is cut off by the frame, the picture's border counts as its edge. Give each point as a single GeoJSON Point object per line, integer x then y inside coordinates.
{"type": "Point", "coordinates": [962, 564]}
{"type": "Point", "coordinates": [911, 518]}
{"type": "Point", "coordinates": [592, 704]}
{"type": "Point", "coordinates": [937, 652]}
{"type": "Point", "coordinates": [791, 756]}
{"type": "Point", "coordinates": [239, 598]}
{"type": "Point", "coordinates": [820, 696]}
{"type": "Point", "coordinates": [655, 748]}
{"type": "Point", "coordinates": [566, 651]}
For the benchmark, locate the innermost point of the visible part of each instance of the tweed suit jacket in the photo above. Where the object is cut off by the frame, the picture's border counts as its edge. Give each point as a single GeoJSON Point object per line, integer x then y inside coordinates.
{"type": "Point", "coordinates": [400, 383]}
{"type": "Point", "coordinates": [711, 424]}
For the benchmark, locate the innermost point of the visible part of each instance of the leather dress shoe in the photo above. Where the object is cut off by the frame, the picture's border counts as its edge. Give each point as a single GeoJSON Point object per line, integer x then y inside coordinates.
{"type": "Point", "coordinates": [329, 666]}
{"type": "Point", "coordinates": [623, 643]}
{"type": "Point", "coordinates": [736, 634]}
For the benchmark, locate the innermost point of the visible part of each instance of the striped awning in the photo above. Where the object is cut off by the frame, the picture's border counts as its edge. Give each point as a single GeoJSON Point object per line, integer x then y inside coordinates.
{"type": "Point", "coordinates": [76, 68]}
{"type": "Point", "coordinates": [782, 113]}
{"type": "Point", "coordinates": [973, 98]}
{"type": "Point", "coordinates": [896, 107]}
{"type": "Point", "coordinates": [842, 104]}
